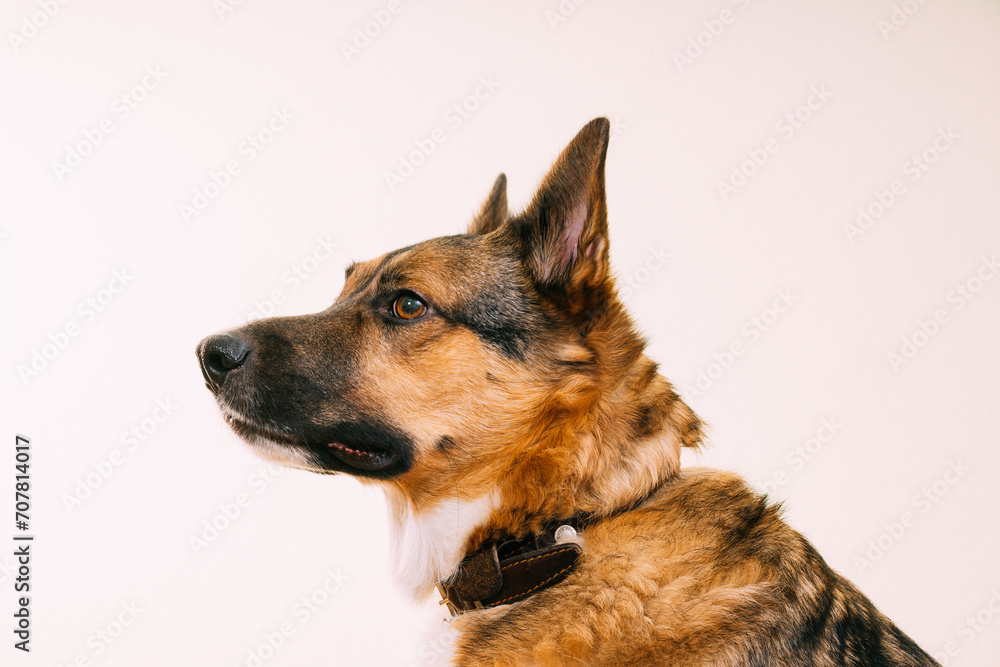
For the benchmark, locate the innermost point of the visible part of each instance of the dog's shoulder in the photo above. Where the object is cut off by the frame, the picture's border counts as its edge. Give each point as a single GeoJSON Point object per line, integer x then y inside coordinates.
{"type": "Point", "coordinates": [701, 508]}
{"type": "Point", "coordinates": [651, 576]}
{"type": "Point", "coordinates": [708, 534]}
{"type": "Point", "coordinates": [704, 552]}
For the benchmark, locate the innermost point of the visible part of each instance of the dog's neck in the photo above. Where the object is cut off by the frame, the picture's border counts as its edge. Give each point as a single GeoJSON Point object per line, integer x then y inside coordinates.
{"type": "Point", "coordinates": [610, 433]}
{"type": "Point", "coordinates": [604, 458]}
{"type": "Point", "coordinates": [610, 454]}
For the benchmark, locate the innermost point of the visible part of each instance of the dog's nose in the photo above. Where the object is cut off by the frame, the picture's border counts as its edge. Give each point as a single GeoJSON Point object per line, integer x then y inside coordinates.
{"type": "Point", "coordinates": [219, 355]}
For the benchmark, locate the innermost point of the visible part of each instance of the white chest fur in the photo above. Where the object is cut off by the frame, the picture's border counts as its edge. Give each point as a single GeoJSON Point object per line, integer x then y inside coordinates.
{"type": "Point", "coordinates": [427, 546]}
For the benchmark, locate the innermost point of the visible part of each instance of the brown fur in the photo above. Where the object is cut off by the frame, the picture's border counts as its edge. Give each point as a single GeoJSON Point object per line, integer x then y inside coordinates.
{"type": "Point", "coordinates": [525, 384]}
{"type": "Point", "coordinates": [705, 573]}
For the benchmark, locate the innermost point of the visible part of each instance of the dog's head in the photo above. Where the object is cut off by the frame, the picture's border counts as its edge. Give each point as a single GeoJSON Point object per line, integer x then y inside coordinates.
{"type": "Point", "coordinates": [495, 362]}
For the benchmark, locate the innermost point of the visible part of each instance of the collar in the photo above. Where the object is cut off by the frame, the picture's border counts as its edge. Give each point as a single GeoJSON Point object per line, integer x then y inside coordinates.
{"type": "Point", "coordinates": [500, 573]}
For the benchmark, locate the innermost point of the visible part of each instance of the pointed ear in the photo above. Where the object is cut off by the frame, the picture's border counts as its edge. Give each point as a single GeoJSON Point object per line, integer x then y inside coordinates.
{"type": "Point", "coordinates": [565, 228]}
{"type": "Point", "coordinates": [494, 210]}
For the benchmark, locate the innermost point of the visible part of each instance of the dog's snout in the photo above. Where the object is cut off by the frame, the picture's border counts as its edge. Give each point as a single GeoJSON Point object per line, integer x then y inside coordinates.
{"type": "Point", "coordinates": [220, 355]}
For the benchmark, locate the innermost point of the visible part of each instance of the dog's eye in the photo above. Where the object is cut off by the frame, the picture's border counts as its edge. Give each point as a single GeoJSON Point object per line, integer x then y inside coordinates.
{"type": "Point", "coordinates": [408, 307]}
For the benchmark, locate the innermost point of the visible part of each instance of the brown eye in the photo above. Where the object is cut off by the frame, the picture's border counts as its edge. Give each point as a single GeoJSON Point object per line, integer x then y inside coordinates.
{"type": "Point", "coordinates": [408, 307]}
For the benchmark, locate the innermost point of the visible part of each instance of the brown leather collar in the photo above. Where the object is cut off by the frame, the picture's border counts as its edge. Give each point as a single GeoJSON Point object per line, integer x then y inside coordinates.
{"type": "Point", "coordinates": [501, 573]}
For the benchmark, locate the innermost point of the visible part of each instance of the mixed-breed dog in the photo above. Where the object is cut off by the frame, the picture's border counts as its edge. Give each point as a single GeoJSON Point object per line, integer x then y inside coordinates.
{"type": "Point", "coordinates": [494, 386]}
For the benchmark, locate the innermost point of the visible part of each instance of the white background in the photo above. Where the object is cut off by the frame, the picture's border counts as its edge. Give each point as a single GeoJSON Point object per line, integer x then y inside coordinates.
{"type": "Point", "coordinates": [681, 129]}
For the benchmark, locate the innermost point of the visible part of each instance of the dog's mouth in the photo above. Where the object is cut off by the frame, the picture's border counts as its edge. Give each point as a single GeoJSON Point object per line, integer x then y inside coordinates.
{"type": "Point", "coordinates": [351, 447]}
{"type": "Point", "coordinates": [362, 457]}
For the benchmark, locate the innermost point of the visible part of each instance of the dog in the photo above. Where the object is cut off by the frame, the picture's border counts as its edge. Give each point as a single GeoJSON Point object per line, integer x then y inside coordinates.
{"type": "Point", "coordinates": [494, 386]}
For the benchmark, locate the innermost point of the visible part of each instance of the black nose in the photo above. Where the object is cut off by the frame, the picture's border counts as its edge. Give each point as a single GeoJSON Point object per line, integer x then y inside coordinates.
{"type": "Point", "coordinates": [219, 355]}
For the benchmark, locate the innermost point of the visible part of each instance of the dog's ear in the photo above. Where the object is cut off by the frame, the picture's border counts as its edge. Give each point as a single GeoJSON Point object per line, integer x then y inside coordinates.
{"type": "Point", "coordinates": [494, 210]}
{"type": "Point", "coordinates": [564, 231]}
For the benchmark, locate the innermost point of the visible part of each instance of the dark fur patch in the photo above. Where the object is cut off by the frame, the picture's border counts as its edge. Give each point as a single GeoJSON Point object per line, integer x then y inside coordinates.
{"type": "Point", "coordinates": [501, 312]}
{"type": "Point", "coordinates": [500, 318]}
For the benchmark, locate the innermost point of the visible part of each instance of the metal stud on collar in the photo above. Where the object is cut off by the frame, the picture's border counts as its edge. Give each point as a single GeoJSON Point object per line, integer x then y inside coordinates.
{"type": "Point", "coordinates": [564, 533]}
